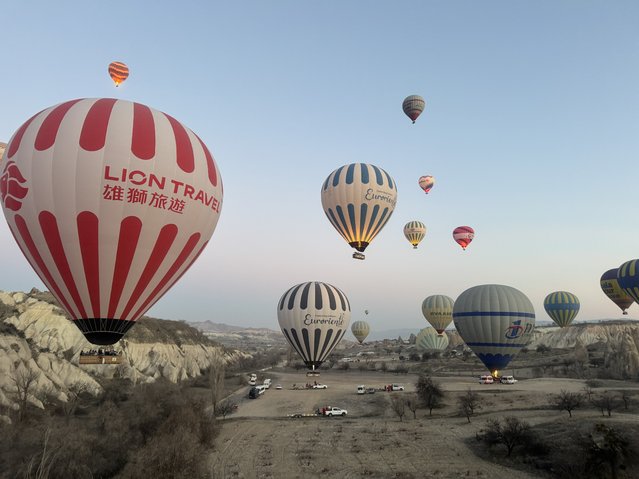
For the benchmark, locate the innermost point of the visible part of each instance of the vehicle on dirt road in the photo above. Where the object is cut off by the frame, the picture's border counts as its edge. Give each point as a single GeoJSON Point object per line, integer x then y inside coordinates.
{"type": "Point", "coordinates": [361, 389]}
{"type": "Point", "coordinates": [393, 387]}
{"type": "Point", "coordinates": [486, 379]}
{"type": "Point", "coordinates": [320, 386]}
{"type": "Point", "coordinates": [334, 411]}
{"type": "Point", "coordinates": [507, 380]}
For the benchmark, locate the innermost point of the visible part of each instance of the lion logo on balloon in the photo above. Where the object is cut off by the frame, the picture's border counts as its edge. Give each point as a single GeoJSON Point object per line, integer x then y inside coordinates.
{"type": "Point", "coordinates": [11, 190]}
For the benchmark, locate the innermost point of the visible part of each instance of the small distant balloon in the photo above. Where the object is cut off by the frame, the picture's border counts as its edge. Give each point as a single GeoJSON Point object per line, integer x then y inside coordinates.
{"type": "Point", "coordinates": [360, 330]}
{"type": "Point", "coordinates": [438, 311]}
{"type": "Point", "coordinates": [463, 235]}
{"type": "Point", "coordinates": [426, 183]}
{"type": "Point", "coordinates": [118, 72]}
{"type": "Point", "coordinates": [366, 312]}
{"type": "Point", "coordinates": [413, 106]}
{"type": "Point", "coordinates": [414, 231]}
{"type": "Point", "coordinates": [562, 307]}
{"type": "Point", "coordinates": [428, 340]}
{"type": "Point", "coordinates": [610, 287]}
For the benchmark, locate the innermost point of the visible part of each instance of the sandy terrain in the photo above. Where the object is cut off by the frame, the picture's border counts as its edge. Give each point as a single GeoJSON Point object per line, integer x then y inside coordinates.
{"type": "Point", "coordinates": [261, 441]}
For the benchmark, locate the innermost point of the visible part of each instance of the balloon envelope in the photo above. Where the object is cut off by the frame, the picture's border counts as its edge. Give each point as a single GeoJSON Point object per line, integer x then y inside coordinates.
{"type": "Point", "coordinates": [628, 277]}
{"type": "Point", "coordinates": [463, 235]}
{"type": "Point", "coordinates": [562, 307]}
{"type": "Point", "coordinates": [414, 231]}
{"type": "Point", "coordinates": [438, 311]}
{"type": "Point", "coordinates": [610, 287]}
{"type": "Point", "coordinates": [413, 106]}
{"type": "Point", "coordinates": [428, 340]}
{"type": "Point", "coordinates": [118, 72]}
{"type": "Point", "coordinates": [358, 200]}
{"type": "Point", "coordinates": [313, 317]}
{"type": "Point", "coordinates": [426, 183]}
{"type": "Point", "coordinates": [111, 202]}
{"type": "Point", "coordinates": [495, 321]}
{"type": "Point", "coordinates": [360, 330]}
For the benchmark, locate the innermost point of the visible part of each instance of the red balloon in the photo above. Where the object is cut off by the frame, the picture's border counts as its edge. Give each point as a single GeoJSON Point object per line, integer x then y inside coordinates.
{"type": "Point", "coordinates": [463, 235]}
{"type": "Point", "coordinates": [111, 202]}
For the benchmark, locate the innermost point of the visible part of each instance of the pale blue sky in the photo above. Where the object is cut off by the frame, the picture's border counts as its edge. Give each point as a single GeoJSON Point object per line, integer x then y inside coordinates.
{"type": "Point", "coordinates": [531, 130]}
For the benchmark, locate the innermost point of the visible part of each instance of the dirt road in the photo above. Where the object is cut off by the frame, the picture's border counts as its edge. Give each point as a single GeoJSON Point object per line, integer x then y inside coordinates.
{"type": "Point", "coordinates": [260, 441]}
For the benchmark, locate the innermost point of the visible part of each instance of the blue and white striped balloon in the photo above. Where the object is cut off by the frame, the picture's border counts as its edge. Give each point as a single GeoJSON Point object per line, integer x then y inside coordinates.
{"type": "Point", "coordinates": [358, 200]}
{"type": "Point", "coordinates": [495, 321]}
{"type": "Point", "coordinates": [313, 317]}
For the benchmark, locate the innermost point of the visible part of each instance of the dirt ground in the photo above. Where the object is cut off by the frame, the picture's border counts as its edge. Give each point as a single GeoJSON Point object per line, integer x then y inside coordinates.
{"type": "Point", "coordinates": [261, 441]}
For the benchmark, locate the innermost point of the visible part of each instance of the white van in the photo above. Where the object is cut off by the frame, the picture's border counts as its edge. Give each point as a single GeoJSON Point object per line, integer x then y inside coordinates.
{"type": "Point", "coordinates": [486, 379]}
{"type": "Point", "coordinates": [267, 383]}
{"type": "Point", "coordinates": [361, 389]}
{"type": "Point", "coordinates": [507, 380]}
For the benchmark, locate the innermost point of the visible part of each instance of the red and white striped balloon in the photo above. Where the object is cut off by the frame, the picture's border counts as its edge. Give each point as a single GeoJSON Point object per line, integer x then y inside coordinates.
{"type": "Point", "coordinates": [463, 235]}
{"type": "Point", "coordinates": [111, 202]}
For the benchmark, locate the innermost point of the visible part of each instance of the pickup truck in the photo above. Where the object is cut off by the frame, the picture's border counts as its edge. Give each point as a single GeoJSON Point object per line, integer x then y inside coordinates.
{"type": "Point", "coordinates": [334, 411]}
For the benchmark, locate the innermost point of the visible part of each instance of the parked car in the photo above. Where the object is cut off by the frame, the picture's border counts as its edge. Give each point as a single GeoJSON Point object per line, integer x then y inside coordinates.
{"type": "Point", "coordinates": [320, 386]}
{"type": "Point", "coordinates": [361, 389]}
{"type": "Point", "coordinates": [486, 379]}
{"type": "Point", "coordinates": [278, 386]}
{"type": "Point", "coordinates": [370, 391]}
{"type": "Point", "coordinates": [267, 383]}
{"type": "Point", "coordinates": [507, 380]}
{"type": "Point", "coordinates": [254, 393]}
{"type": "Point", "coordinates": [396, 387]}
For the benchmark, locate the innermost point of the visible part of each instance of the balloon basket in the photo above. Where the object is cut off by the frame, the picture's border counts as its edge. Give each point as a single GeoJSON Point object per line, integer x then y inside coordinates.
{"type": "Point", "coordinates": [358, 255]}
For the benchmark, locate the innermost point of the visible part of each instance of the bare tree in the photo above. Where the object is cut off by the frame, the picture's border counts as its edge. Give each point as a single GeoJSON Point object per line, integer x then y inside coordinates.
{"type": "Point", "coordinates": [398, 404]}
{"type": "Point", "coordinates": [468, 403]}
{"type": "Point", "coordinates": [430, 392]}
{"type": "Point", "coordinates": [588, 392]}
{"type": "Point", "coordinates": [626, 397]}
{"type": "Point", "coordinates": [567, 401]}
{"type": "Point", "coordinates": [511, 434]}
{"type": "Point", "coordinates": [224, 408]}
{"type": "Point", "coordinates": [24, 380]}
{"type": "Point", "coordinates": [216, 383]}
{"type": "Point", "coordinates": [73, 398]}
{"type": "Point", "coordinates": [606, 402]}
{"type": "Point", "coordinates": [412, 402]}
{"type": "Point", "coordinates": [606, 449]}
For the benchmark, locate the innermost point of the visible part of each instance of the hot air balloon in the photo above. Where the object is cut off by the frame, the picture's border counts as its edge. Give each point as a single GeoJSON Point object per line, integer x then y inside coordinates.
{"type": "Point", "coordinates": [495, 321]}
{"type": "Point", "coordinates": [358, 200]}
{"type": "Point", "coordinates": [111, 202]}
{"type": "Point", "coordinates": [360, 330]}
{"type": "Point", "coordinates": [413, 106]}
{"type": "Point", "coordinates": [438, 311]}
{"type": "Point", "coordinates": [366, 312]}
{"type": "Point", "coordinates": [428, 340]}
{"type": "Point", "coordinates": [2, 147]}
{"type": "Point", "coordinates": [628, 277]}
{"type": "Point", "coordinates": [313, 317]}
{"type": "Point", "coordinates": [611, 288]}
{"type": "Point", "coordinates": [414, 232]}
{"type": "Point", "coordinates": [118, 72]}
{"type": "Point", "coordinates": [426, 183]}
{"type": "Point", "coordinates": [562, 307]}
{"type": "Point", "coordinates": [463, 235]}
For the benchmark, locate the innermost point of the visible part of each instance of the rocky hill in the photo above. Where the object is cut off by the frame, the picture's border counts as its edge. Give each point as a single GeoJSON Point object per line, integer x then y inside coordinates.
{"type": "Point", "coordinates": [36, 337]}
{"type": "Point", "coordinates": [247, 339]}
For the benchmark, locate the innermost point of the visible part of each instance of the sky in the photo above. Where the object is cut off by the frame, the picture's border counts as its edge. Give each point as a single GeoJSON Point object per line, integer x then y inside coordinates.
{"type": "Point", "coordinates": [531, 130]}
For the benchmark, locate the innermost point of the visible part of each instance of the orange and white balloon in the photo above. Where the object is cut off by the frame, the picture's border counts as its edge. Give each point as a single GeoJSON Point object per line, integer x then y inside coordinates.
{"type": "Point", "coordinates": [111, 202]}
{"type": "Point", "coordinates": [118, 72]}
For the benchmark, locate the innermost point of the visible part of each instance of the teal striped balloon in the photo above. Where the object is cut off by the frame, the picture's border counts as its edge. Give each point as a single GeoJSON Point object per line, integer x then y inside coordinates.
{"type": "Point", "coordinates": [628, 277]}
{"type": "Point", "coordinates": [562, 307]}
